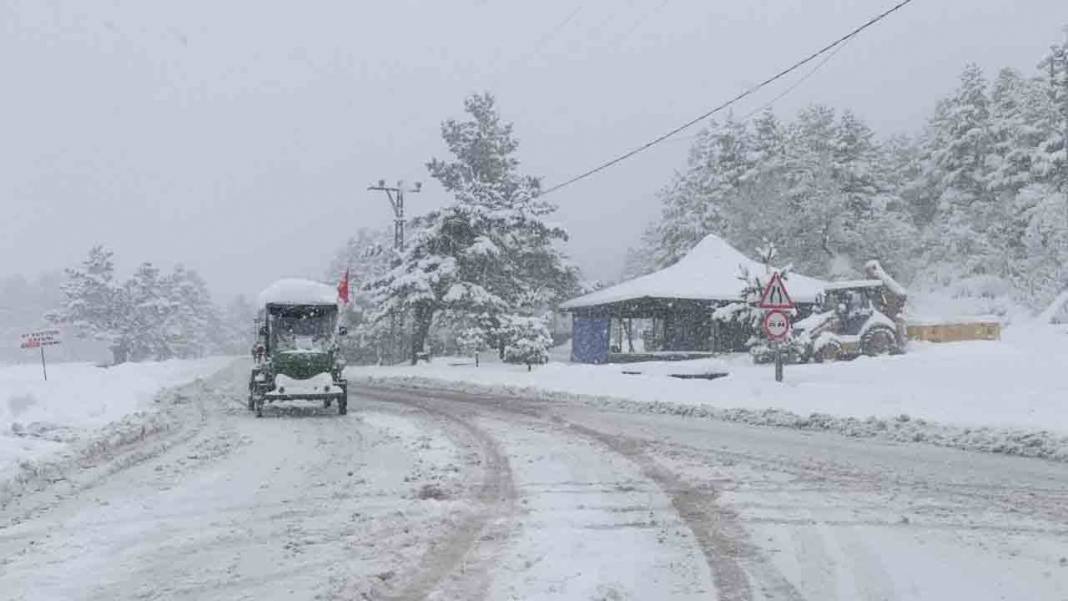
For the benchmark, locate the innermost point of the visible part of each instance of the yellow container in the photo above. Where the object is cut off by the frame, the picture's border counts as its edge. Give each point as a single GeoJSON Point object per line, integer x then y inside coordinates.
{"type": "Point", "coordinates": [954, 332]}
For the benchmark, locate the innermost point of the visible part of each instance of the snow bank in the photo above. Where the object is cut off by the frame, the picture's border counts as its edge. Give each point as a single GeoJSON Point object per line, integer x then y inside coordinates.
{"type": "Point", "coordinates": [296, 291]}
{"type": "Point", "coordinates": [39, 418]}
{"type": "Point", "coordinates": [1005, 396]}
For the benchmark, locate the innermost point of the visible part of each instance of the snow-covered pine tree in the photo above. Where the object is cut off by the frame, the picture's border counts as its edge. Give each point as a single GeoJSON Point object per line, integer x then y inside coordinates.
{"type": "Point", "coordinates": [237, 325]}
{"type": "Point", "coordinates": [193, 326]}
{"type": "Point", "coordinates": [957, 244]}
{"type": "Point", "coordinates": [640, 259]}
{"type": "Point", "coordinates": [488, 254]}
{"type": "Point", "coordinates": [1053, 159]}
{"type": "Point", "coordinates": [1041, 270]}
{"type": "Point", "coordinates": [813, 198]}
{"type": "Point", "coordinates": [92, 303]}
{"type": "Point", "coordinates": [367, 256]}
{"type": "Point", "coordinates": [877, 223]}
{"type": "Point", "coordinates": [700, 200]}
{"type": "Point", "coordinates": [146, 328]}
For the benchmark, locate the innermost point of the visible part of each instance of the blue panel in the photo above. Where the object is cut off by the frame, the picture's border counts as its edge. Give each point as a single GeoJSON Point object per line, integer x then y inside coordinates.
{"type": "Point", "coordinates": [589, 339]}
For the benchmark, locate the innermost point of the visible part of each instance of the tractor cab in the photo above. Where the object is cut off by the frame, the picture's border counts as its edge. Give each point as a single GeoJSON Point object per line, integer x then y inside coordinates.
{"type": "Point", "coordinates": [854, 318]}
{"type": "Point", "coordinates": [852, 302]}
{"type": "Point", "coordinates": [296, 351]}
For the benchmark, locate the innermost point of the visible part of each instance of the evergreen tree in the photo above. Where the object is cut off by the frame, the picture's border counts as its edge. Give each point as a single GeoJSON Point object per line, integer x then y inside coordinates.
{"type": "Point", "coordinates": [193, 326]}
{"type": "Point", "coordinates": [366, 256]}
{"type": "Point", "coordinates": [237, 326]}
{"type": "Point", "coordinates": [488, 254]}
{"type": "Point", "coordinates": [92, 303]}
{"type": "Point", "coordinates": [972, 206]}
{"type": "Point", "coordinates": [957, 163]}
{"type": "Point", "coordinates": [149, 316]}
{"type": "Point", "coordinates": [146, 328]}
{"type": "Point", "coordinates": [1053, 157]}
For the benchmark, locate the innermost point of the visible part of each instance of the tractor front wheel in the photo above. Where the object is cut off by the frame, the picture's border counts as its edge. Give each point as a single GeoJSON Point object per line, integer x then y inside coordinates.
{"type": "Point", "coordinates": [878, 341]}
{"type": "Point", "coordinates": [830, 351]}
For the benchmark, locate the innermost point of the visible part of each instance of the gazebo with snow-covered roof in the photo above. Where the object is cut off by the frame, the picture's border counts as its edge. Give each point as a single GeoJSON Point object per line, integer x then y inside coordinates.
{"type": "Point", "coordinates": [679, 300]}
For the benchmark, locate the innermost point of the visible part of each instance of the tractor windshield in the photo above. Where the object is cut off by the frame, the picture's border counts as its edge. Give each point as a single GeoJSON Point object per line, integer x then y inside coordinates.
{"type": "Point", "coordinates": [307, 328]}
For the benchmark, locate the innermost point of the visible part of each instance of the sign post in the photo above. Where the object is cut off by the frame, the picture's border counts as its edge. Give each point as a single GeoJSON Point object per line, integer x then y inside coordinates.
{"type": "Point", "coordinates": [39, 340]}
{"type": "Point", "coordinates": [776, 302]}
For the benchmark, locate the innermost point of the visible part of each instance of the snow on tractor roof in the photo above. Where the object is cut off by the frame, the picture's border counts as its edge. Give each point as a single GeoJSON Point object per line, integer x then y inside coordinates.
{"type": "Point", "coordinates": [854, 284]}
{"type": "Point", "coordinates": [708, 272]}
{"type": "Point", "coordinates": [295, 291]}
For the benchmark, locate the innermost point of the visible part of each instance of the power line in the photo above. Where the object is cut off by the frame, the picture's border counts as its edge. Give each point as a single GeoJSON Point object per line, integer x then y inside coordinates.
{"type": "Point", "coordinates": [780, 95]}
{"type": "Point", "coordinates": [538, 45]}
{"type": "Point", "coordinates": [745, 93]}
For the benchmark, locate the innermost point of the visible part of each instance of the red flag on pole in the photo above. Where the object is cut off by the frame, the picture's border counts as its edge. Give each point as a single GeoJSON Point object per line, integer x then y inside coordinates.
{"type": "Point", "coordinates": [343, 289]}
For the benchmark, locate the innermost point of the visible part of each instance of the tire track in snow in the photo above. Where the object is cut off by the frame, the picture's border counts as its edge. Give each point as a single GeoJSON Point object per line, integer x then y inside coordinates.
{"type": "Point", "coordinates": [719, 533]}
{"type": "Point", "coordinates": [723, 541]}
{"type": "Point", "coordinates": [464, 555]}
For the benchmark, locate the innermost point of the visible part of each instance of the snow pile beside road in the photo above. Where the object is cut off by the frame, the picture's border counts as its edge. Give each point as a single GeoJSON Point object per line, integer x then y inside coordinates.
{"type": "Point", "coordinates": [39, 418]}
{"type": "Point", "coordinates": [1006, 396]}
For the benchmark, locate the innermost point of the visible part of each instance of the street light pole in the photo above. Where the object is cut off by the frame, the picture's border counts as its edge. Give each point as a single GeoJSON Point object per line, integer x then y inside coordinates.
{"type": "Point", "coordinates": [395, 194]}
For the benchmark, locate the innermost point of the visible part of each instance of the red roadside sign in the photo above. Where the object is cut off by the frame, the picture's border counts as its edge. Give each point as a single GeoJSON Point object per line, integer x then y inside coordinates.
{"type": "Point", "coordinates": [39, 338]}
{"type": "Point", "coordinates": [775, 295]}
{"type": "Point", "coordinates": [776, 325]}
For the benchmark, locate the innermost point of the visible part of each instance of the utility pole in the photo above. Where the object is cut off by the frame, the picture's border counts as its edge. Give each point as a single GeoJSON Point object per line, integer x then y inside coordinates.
{"type": "Point", "coordinates": [395, 194]}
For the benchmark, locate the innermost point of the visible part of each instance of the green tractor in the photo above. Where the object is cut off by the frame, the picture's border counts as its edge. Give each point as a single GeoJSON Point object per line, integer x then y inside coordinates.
{"type": "Point", "coordinates": [296, 355]}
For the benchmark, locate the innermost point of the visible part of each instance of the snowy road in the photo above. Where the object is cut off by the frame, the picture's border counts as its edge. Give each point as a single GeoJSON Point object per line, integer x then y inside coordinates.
{"type": "Point", "coordinates": [450, 496]}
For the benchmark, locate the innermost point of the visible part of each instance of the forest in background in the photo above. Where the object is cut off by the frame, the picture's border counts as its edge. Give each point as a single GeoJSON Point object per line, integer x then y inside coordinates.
{"type": "Point", "coordinates": [973, 206]}
{"type": "Point", "coordinates": [151, 315]}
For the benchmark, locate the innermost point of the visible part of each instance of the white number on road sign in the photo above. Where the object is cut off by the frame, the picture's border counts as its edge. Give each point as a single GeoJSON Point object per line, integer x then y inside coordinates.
{"type": "Point", "coordinates": [776, 325]}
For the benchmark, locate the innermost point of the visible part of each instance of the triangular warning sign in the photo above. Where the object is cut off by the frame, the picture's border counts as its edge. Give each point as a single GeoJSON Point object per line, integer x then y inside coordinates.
{"type": "Point", "coordinates": [775, 295]}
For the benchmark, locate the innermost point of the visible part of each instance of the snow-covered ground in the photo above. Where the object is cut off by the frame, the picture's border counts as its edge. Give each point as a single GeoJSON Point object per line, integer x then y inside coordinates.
{"type": "Point", "coordinates": [1016, 383]}
{"type": "Point", "coordinates": [426, 494]}
{"type": "Point", "coordinates": [39, 418]}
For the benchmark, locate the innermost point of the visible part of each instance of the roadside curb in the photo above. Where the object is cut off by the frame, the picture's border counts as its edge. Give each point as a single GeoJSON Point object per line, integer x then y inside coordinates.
{"type": "Point", "coordinates": [1041, 444]}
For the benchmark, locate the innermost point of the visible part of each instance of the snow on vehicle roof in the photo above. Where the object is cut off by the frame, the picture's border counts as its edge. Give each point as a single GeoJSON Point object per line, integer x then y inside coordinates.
{"type": "Point", "coordinates": [708, 272]}
{"type": "Point", "coordinates": [295, 291]}
{"type": "Point", "coordinates": [854, 284]}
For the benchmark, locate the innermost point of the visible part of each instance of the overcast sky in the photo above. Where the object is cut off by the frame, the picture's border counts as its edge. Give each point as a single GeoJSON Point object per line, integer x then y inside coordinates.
{"type": "Point", "coordinates": [238, 137]}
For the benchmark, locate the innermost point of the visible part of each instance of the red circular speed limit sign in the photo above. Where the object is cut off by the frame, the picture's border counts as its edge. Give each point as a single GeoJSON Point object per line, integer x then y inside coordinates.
{"type": "Point", "coordinates": [776, 325]}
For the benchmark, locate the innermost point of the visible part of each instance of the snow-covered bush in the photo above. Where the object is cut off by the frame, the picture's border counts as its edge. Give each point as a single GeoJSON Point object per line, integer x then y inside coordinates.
{"type": "Point", "coordinates": [472, 341]}
{"type": "Point", "coordinates": [528, 341]}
